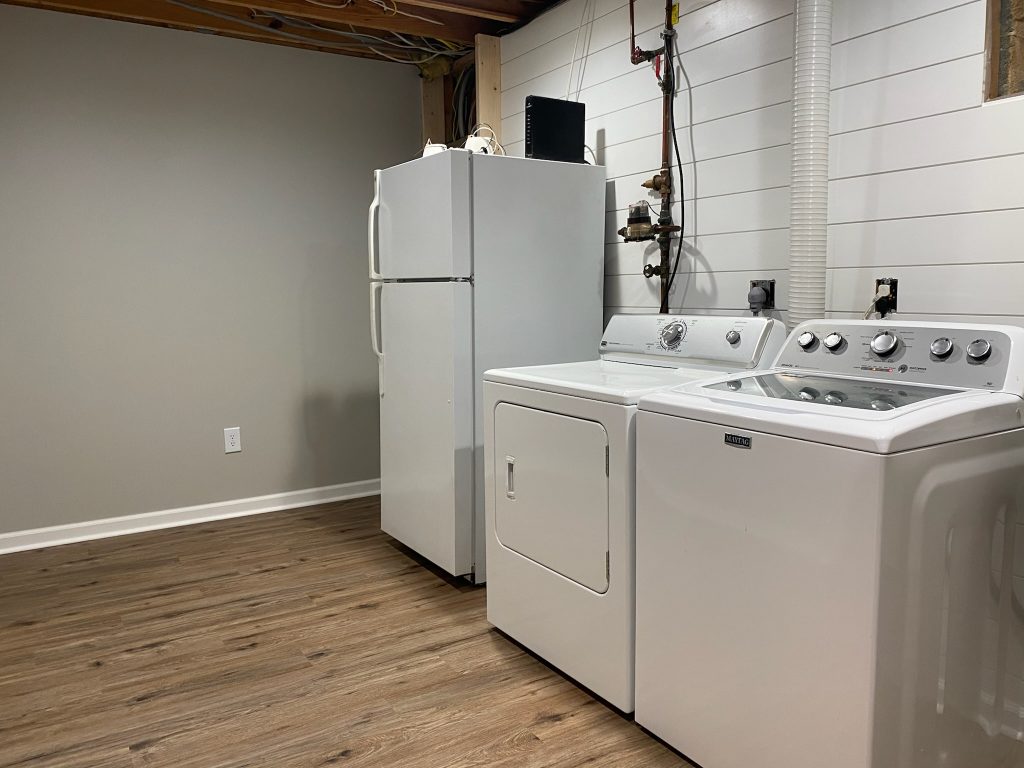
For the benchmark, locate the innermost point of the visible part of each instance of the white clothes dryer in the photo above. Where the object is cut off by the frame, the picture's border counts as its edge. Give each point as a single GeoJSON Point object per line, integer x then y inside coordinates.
{"type": "Point", "coordinates": [559, 485]}
{"type": "Point", "coordinates": [829, 580]}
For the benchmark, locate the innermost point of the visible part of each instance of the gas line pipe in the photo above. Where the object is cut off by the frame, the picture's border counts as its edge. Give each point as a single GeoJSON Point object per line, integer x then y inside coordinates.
{"type": "Point", "coordinates": [638, 223]}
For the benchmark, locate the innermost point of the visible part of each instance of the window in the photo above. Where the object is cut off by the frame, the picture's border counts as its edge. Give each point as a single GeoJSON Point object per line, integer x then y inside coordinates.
{"type": "Point", "coordinates": [1006, 48]}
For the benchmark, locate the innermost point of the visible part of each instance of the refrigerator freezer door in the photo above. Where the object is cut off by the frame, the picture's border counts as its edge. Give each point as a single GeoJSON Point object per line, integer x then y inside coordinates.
{"type": "Point", "coordinates": [420, 219]}
{"type": "Point", "coordinates": [426, 419]}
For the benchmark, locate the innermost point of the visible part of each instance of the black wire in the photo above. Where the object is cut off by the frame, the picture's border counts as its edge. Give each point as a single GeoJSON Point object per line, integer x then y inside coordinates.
{"type": "Point", "coordinates": [679, 163]}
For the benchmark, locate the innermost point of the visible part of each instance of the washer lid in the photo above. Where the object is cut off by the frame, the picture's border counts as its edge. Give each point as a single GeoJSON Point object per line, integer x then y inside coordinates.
{"type": "Point", "coordinates": [858, 394]}
{"type": "Point", "coordinates": [612, 382]}
{"type": "Point", "coordinates": [863, 414]}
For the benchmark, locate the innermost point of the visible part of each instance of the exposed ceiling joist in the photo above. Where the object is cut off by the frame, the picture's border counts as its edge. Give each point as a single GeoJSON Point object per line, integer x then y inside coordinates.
{"type": "Point", "coordinates": [326, 25]}
{"type": "Point", "coordinates": [508, 11]}
{"type": "Point", "coordinates": [456, 28]}
{"type": "Point", "coordinates": [166, 15]}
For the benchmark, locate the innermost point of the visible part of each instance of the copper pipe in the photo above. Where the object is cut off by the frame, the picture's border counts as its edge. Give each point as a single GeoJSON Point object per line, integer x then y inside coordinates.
{"type": "Point", "coordinates": [665, 215]}
{"type": "Point", "coordinates": [663, 181]}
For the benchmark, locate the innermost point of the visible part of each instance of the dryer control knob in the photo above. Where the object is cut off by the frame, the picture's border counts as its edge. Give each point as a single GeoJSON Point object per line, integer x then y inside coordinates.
{"type": "Point", "coordinates": [807, 340]}
{"type": "Point", "coordinates": [733, 337]}
{"type": "Point", "coordinates": [833, 341]}
{"type": "Point", "coordinates": [672, 334]}
{"type": "Point", "coordinates": [885, 343]}
{"type": "Point", "coordinates": [942, 347]}
{"type": "Point", "coordinates": [979, 350]}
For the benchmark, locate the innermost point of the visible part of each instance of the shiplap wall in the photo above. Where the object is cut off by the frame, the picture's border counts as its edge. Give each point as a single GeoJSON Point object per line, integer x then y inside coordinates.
{"type": "Point", "coordinates": [738, 56]}
{"type": "Point", "coordinates": [927, 179]}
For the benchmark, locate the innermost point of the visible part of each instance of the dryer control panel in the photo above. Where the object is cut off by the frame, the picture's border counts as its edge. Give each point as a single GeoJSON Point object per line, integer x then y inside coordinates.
{"type": "Point", "coordinates": [950, 355]}
{"type": "Point", "coordinates": [739, 342]}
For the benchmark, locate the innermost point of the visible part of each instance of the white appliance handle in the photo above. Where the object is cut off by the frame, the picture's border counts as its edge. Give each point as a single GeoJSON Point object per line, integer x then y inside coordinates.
{"type": "Point", "coordinates": [375, 334]}
{"type": "Point", "coordinates": [510, 477]}
{"type": "Point", "coordinates": [371, 234]}
{"type": "Point", "coordinates": [375, 339]}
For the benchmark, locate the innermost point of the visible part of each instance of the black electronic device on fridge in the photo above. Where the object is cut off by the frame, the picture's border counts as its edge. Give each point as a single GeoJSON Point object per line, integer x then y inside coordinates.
{"type": "Point", "coordinates": [554, 129]}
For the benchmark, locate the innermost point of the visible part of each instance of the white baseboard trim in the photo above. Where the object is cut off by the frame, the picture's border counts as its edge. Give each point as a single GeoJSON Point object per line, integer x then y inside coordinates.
{"type": "Point", "coordinates": [16, 541]}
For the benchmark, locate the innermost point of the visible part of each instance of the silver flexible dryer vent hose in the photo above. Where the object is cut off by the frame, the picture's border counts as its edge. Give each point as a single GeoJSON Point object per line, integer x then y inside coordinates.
{"type": "Point", "coordinates": [808, 228]}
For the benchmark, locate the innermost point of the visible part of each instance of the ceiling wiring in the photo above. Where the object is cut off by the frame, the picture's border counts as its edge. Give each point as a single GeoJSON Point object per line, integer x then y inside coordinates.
{"type": "Point", "coordinates": [322, 4]}
{"type": "Point", "coordinates": [352, 41]}
{"type": "Point", "coordinates": [403, 43]}
{"type": "Point", "coordinates": [463, 103]}
{"type": "Point", "coordinates": [394, 11]}
{"type": "Point", "coordinates": [395, 47]}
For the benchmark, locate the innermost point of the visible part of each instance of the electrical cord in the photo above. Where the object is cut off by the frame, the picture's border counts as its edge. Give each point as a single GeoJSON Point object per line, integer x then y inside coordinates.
{"type": "Point", "coordinates": [575, 45]}
{"type": "Point", "coordinates": [360, 39]}
{"type": "Point", "coordinates": [670, 72]}
{"type": "Point", "coordinates": [883, 292]}
{"type": "Point", "coordinates": [394, 11]}
{"type": "Point", "coordinates": [353, 46]}
{"type": "Point", "coordinates": [494, 136]}
{"type": "Point", "coordinates": [679, 160]}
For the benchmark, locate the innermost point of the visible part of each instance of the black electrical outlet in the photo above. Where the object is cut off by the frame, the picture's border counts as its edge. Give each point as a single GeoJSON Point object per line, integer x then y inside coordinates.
{"type": "Point", "coordinates": [887, 304]}
{"type": "Point", "coordinates": [768, 286]}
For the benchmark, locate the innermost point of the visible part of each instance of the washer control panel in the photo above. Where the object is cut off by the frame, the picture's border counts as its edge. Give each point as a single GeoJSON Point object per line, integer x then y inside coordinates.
{"type": "Point", "coordinates": [740, 342]}
{"type": "Point", "coordinates": [954, 355]}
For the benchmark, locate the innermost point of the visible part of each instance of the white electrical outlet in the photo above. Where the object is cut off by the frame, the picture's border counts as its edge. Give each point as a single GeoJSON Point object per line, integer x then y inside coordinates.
{"type": "Point", "coordinates": [232, 439]}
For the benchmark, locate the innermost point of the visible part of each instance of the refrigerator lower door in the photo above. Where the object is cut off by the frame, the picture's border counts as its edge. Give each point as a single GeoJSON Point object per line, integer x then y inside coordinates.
{"type": "Point", "coordinates": [426, 419]}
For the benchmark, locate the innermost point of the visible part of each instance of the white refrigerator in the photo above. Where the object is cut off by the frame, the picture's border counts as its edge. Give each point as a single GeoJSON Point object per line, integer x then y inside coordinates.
{"type": "Point", "coordinates": [476, 262]}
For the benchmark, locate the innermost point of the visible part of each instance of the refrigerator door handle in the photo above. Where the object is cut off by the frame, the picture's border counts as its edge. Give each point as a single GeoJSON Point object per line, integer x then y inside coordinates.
{"type": "Point", "coordinates": [371, 234]}
{"type": "Point", "coordinates": [375, 333]}
{"type": "Point", "coordinates": [375, 339]}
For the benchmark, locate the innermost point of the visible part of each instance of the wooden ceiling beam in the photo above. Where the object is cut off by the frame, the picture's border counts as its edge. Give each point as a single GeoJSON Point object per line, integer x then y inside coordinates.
{"type": "Point", "coordinates": [366, 16]}
{"type": "Point", "coordinates": [163, 14]}
{"type": "Point", "coordinates": [506, 11]}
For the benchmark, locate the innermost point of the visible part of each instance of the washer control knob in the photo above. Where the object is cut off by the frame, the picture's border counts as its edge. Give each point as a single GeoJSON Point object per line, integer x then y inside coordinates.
{"type": "Point", "coordinates": [807, 340]}
{"type": "Point", "coordinates": [672, 334]}
{"type": "Point", "coordinates": [809, 394]}
{"type": "Point", "coordinates": [833, 342]}
{"type": "Point", "coordinates": [882, 404]}
{"type": "Point", "coordinates": [942, 347]}
{"type": "Point", "coordinates": [733, 337]}
{"type": "Point", "coordinates": [835, 398]}
{"type": "Point", "coordinates": [885, 343]}
{"type": "Point", "coordinates": [979, 350]}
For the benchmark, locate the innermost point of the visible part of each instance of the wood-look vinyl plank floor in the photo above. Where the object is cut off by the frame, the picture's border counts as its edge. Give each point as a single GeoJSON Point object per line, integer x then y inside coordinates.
{"type": "Point", "coordinates": [300, 638]}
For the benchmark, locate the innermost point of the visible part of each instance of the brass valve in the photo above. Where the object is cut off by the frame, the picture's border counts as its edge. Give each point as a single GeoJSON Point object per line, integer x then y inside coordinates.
{"type": "Point", "coordinates": [661, 183]}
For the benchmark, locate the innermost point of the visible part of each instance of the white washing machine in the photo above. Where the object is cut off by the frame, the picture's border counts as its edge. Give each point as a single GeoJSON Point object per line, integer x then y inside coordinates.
{"type": "Point", "coordinates": [830, 579]}
{"type": "Point", "coordinates": [559, 485]}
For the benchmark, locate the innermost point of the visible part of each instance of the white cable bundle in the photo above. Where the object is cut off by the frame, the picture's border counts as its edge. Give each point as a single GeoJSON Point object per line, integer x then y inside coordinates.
{"type": "Point", "coordinates": [808, 226]}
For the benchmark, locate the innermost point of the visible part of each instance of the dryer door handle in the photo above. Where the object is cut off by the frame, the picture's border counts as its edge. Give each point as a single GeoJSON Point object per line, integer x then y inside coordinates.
{"type": "Point", "coordinates": [510, 477]}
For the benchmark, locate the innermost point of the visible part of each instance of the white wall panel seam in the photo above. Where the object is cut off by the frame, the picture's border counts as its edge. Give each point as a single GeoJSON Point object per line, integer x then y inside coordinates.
{"type": "Point", "coordinates": [682, 52]}
{"type": "Point", "coordinates": [570, 33]}
{"type": "Point", "coordinates": [903, 23]}
{"type": "Point", "coordinates": [916, 264]}
{"type": "Point", "coordinates": [887, 75]}
{"type": "Point", "coordinates": [682, 92]}
{"type": "Point", "coordinates": [873, 126]}
{"type": "Point", "coordinates": [908, 168]}
{"type": "Point", "coordinates": [941, 214]}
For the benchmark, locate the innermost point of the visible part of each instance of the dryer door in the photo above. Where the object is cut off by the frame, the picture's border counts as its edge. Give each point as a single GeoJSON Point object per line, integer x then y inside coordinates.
{"type": "Point", "coordinates": [551, 498]}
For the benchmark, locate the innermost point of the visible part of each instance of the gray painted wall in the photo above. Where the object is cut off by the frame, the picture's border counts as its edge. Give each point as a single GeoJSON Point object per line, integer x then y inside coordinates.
{"type": "Point", "coordinates": [182, 249]}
